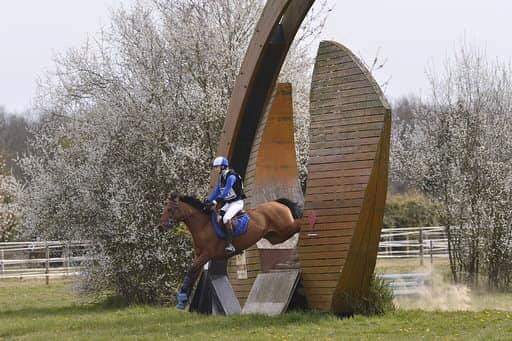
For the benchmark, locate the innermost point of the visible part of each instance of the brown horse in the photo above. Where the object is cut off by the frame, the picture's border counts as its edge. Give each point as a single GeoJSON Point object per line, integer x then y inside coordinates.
{"type": "Point", "coordinates": [274, 221]}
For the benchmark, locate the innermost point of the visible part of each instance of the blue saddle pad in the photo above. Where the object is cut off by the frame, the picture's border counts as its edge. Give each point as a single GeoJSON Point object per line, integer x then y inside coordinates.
{"type": "Point", "coordinates": [240, 224]}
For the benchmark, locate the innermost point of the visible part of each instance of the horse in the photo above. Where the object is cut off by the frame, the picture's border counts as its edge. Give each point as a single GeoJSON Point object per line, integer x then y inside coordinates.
{"type": "Point", "coordinates": [275, 221]}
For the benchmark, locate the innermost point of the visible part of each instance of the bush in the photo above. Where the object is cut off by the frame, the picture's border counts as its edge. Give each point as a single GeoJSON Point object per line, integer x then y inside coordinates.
{"type": "Point", "coordinates": [410, 210]}
{"type": "Point", "coordinates": [9, 206]}
{"type": "Point", "coordinates": [456, 147]}
{"type": "Point", "coordinates": [378, 301]}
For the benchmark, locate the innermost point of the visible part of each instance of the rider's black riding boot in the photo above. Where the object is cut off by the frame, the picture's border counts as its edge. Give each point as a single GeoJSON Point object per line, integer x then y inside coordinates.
{"type": "Point", "coordinates": [230, 249]}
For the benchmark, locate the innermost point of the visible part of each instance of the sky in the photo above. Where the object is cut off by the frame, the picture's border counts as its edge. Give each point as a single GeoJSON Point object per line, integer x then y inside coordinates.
{"type": "Point", "coordinates": [408, 34]}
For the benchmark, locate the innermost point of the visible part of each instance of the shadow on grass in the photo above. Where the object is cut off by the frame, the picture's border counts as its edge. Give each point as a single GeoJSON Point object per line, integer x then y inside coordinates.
{"type": "Point", "coordinates": [191, 325]}
{"type": "Point", "coordinates": [136, 320]}
{"type": "Point", "coordinates": [111, 303]}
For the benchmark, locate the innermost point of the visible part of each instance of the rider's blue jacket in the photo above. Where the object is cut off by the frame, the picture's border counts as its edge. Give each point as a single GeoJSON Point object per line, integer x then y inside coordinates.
{"type": "Point", "coordinates": [223, 193]}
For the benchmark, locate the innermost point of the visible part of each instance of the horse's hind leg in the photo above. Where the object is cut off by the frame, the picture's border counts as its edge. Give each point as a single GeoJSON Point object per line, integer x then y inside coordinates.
{"type": "Point", "coordinates": [273, 238]}
{"type": "Point", "coordinates": [277, 238]}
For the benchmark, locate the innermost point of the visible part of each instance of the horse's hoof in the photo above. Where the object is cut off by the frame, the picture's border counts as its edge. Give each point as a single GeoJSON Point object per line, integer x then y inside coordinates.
{"type": "Point", "coordinates": [182, 301]}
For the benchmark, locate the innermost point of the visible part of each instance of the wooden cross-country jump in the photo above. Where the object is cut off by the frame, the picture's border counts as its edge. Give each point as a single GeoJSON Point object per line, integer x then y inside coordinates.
{"type": "Point", "coordinates": [348, 158]}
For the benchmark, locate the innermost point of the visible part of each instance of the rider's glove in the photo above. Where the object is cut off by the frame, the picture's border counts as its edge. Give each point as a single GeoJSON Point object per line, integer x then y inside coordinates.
{"type": "Point", "coordinates": [209, 203]}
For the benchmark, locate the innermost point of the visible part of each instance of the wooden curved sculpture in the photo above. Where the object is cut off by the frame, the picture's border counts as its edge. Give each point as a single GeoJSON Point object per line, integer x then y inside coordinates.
{"type": "Point", "coordinates": [347, 183]}
{"type": "Point", "coordinates": [273, 36]}
{"type": "Point", "coordinates": [346, 187]}
{"type": "Point", "coordinates": [271, 173]}
{"type": "Point", "coordinates": [265, 56]}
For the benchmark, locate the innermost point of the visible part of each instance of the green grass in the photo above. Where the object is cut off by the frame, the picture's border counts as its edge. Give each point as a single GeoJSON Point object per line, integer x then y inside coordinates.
{"type": "Point", "coordinates": [31, 310]}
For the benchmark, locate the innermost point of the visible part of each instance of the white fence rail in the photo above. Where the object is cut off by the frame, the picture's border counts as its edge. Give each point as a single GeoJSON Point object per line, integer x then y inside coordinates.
{"type": "Point", "coordinates": [413, 242]}
{"type": "Point", "coordinates": [53, 259]}
{"type": "Point", "coordinates": [407, 284]}
{"type": "Point", "coordinates": [46, 260]}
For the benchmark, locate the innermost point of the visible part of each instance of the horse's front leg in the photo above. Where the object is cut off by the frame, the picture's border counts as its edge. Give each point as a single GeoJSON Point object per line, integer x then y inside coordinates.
{"type": "Point", "coordinates": [190, 279]}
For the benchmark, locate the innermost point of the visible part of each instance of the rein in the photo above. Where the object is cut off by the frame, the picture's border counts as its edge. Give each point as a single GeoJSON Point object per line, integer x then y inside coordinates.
{"type": "Point", "coordinates": [186, 218]}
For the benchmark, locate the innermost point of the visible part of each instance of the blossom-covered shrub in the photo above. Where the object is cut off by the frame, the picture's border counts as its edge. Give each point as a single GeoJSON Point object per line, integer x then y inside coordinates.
{"type": "Point", "coordinates": [9, 206]}
{"type": "Point", "coordinates": [457, 148]}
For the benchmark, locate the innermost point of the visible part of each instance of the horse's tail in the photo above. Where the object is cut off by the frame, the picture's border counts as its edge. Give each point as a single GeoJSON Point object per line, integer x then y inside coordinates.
{"type": "Point", "coordinates": [292, 206]}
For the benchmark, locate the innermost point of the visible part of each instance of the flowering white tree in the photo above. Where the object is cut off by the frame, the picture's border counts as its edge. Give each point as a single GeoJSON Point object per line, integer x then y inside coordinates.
{"type": "Point", "coordinates": [457, 147]}
{"type": "Point", "coordinates": [9, 207]}
{"type": "Point", "coordinates": [131, 116]}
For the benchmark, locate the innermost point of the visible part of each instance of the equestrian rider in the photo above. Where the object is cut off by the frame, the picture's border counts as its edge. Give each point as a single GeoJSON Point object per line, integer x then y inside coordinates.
{"type": "Point", "coordinates": [229, 192]}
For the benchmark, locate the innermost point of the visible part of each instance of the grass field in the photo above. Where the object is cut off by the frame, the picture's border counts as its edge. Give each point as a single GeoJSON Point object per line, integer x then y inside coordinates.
{"type": "Point", "coordinates": [31, 310]}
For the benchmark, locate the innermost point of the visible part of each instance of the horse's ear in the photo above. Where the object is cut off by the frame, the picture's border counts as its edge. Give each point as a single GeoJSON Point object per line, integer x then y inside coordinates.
{"type": "Point", "coordinates": [174, 196]}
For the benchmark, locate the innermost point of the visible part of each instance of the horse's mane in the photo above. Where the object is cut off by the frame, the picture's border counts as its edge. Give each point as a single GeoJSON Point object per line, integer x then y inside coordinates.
{"type": "Point", "coordinates": [194, 202]}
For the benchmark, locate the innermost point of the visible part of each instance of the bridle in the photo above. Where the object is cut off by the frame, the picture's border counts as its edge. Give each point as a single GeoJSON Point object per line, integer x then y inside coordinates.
{"type": "Point", "coordinates": [173, 207]}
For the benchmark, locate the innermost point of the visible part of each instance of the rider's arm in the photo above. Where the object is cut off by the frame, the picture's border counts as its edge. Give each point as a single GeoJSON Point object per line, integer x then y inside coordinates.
{"type": "Point", "coordinates": [215, 194]}
{"type": "Point", "coordinates": [229, 185]}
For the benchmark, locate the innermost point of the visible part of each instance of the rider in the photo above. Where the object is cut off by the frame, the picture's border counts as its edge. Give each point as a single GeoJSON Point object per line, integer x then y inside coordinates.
{"type": "Point", "coordinates": [229, 192]}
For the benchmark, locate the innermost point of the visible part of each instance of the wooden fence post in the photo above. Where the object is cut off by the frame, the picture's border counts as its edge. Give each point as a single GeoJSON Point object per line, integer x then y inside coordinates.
{"type": "Point", "coordinates": [389, 249]}
{"type": "Point", "coordinates": [66, 258]}
{"type": "Point", "coordinates": [2, 265]}
{"type": "Point", "coordinates": [421, 246]}
{"type": "Point", "coordinates": [47, 272]}
{"type": "Point", "coordinates": [431, 255]}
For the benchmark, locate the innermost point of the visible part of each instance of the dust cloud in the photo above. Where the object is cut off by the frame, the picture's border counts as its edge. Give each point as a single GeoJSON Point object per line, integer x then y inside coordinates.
{"type": "Point", "coordinates": [438, 294]}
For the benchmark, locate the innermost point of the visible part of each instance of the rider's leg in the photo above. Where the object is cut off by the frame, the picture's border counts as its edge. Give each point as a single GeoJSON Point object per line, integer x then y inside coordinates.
{"type": "Point", "coordinates": [221, 214]}
{"type": "Point", "coordinates": [231, 210]}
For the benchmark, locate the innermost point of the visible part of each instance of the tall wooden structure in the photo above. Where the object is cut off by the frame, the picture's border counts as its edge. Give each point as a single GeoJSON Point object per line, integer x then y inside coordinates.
{"type": "Point", "coordinates": [347, 182]}
{"type": "Point", "coordinates": [271, 173]}
{"type": "Point", "coordinates": [346, 188]}
{"type": "Point", "coordinates": [273, 36]}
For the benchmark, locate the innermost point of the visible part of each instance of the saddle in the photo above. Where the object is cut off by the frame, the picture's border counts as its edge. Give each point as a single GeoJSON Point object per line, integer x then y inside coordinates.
{"type": "Point", "coordinates": [240, 224]}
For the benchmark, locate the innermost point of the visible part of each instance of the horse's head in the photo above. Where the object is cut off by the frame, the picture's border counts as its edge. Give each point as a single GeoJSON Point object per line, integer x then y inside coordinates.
{"type": "Point", "coordinates": [172, 214]}
{"type": "Point", "coordinates": [181, 208]}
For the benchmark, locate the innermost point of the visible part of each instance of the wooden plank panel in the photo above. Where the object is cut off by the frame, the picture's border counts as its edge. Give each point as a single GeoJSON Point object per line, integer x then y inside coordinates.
{"type": "Point", "coordinates": [340, 173]}
{"type": "Point", "coordinates": [348, 116]}
{"type": "Point", "coordinates": [346, 85]}
{"type": "Point", "coordinates": [370, 124]}
{"type": "Point", "coordinates": [272, 162]}
{"type": "Point", "coordinates": [333, 203]}
{"type": "Point", "coordinates": [327, 93]}
{"type": "Point", "coordinates": [343, 235]}
{"type": "Point", "coordinates": [313, 284]}
{"type": "Point", "coordinates": [323, 248]}
{"type": "Point", "coordinates": [350, 154]}
{"type": "Point", "coordinates": [321, 277]}
{"type": "Point", "coordinates": [337, 74]}
{"type": "Point", "coordinates": [321, 114]}
{"type": "Point", "coordinates": [342, 165]}
{"type": "Point", "coordinates": [358, 179]}
{"type": "Point", "coordinates": [337, 188]}
{"type": "Point", "coordinates": [332, 262]}
{"type": "Point", "coordinates": [330, 222]}
{"type": "Point", "coordinates": [326, 145]}
{"type": "Point", "coordinates": [340, 195]}
{"type": "Point", "coordinates": [320, 256]}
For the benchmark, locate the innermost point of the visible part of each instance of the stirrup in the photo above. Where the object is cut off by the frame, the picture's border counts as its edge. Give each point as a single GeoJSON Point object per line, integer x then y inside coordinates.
{"type": "Point", "coordinates": [230, 249]}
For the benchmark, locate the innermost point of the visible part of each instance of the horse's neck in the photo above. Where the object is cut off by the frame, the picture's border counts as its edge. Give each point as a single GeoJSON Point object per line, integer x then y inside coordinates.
{"type": "Point", "coordinates": [196, 220]}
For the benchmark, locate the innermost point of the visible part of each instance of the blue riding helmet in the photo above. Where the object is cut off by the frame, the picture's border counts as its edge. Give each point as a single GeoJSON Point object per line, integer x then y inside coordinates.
{"type": "Point", "coordinates": [220, 161]}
